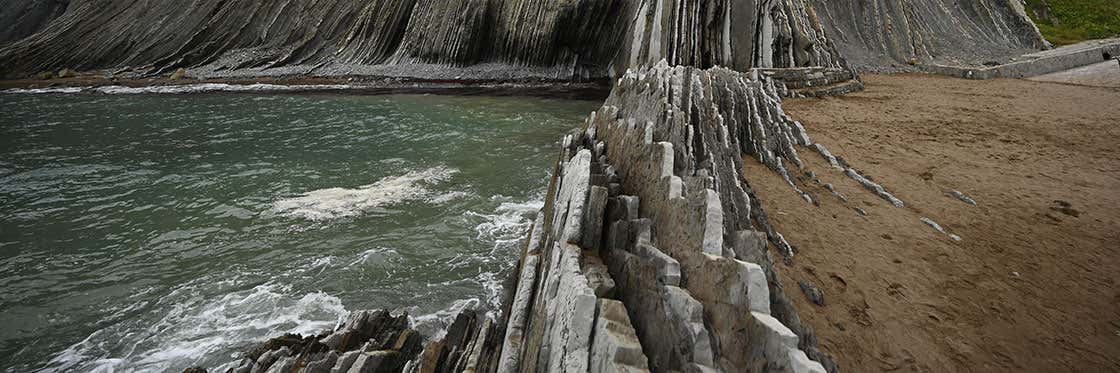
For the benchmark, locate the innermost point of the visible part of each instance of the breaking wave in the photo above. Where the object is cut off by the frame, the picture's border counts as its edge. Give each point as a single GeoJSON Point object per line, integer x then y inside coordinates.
{"type": "Point", "coordinates": [194, 329]}
{"type": "Point", "coordinates": [334, 203]}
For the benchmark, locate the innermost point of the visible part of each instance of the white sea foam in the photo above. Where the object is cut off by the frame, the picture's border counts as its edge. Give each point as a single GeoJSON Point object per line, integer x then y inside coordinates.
{"type": "Point", "coordinates": [508, 222]}
{"type": "Point", "coordinates": [435, 324]}
{"type": "Point", "coordinates": [184, 88]}
{"type": "Point", "coordinates": [375, 254]}
{"type": "Point", "coordinates": [194, 329]}
{"type": "Point", "coordinates": [333, 203]}
{"type": "Point", "coordinates": [44, 90]}
{"type": "Point", "coordinates": [504, 228]}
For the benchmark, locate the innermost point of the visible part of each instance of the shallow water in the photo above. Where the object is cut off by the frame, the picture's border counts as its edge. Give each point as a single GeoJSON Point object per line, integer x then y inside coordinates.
{"type": "Point", "coordinates": [152, 233]}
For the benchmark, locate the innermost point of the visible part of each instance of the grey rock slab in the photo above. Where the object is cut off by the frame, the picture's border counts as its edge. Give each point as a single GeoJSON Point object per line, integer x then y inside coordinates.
{"type": "Point", "coordinates": [616, 347]}
{"type": "Point", "coordinates": [283, 365]}
{"type": "Point", "coordinates": [814, 294]}
{"type": "Point", "coordinates": [593, 218]}
{"type": "Point", "coordinates": [268, 358]}
{"type": "Point", "coordinates": [800, 363]}
{"type": "Point", "coordinates": [510, 359]}
{"type": "Point", "coordinates": [322, 365]}
{"type": "Point", "coordinates": [964, 198]}
{"type": "Point", "coordinates": [771, 341]}
{"type": "Point", "coordinates": [345, 362]}
{"type": "Point", "coordinates": [370, 362]}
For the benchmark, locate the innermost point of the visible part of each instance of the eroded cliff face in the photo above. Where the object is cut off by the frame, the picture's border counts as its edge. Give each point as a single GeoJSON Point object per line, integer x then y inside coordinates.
{"type": "Point", "coordinates": [569, 39]}
{"type": "Point", "coordinates": [21, 18]}
{"type": "Point", "coordinates": [879, 32]}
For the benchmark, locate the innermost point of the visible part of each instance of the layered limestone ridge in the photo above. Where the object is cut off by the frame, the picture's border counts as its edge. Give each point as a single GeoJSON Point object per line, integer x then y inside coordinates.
{"type": "Point", "coordinates": [650, 254]}
{"type": "Point", "coordinates": [649, 213]}
{"type": "Point", "coordinates": [562, 40]}
{"type": "Point", "coordinates": [878, 32]}
{"type": "Point", "coordinates": [569, 39]}
{"type": "Point", "coordinates": [243, 34]}
{"type": "Point", "coordinates": [20, 18]}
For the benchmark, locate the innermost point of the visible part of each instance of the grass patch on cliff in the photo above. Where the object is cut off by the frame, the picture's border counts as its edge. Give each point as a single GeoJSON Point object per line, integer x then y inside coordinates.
{"type": "Point", "coordinates": [1071, 21]}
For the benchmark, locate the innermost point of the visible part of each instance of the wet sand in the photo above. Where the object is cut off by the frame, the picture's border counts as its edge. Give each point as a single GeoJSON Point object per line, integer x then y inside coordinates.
{"type": "Point", "coordinates": [1032, 286]}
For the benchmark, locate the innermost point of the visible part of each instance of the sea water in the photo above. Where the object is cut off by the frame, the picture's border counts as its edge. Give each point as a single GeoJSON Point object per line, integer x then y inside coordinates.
{"type": "Point", "coordinates": [156, 232]}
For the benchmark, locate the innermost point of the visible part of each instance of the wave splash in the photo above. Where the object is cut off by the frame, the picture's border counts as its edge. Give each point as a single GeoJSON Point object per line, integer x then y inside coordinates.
{"type": "Point", "coordinates": [193, 330]}
{"type": "Point", "coordinates": [334, 203]}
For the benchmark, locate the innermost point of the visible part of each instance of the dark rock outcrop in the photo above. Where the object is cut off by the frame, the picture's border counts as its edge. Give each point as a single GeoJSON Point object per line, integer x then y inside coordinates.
{"type": "Point", "coordinates": [21, 18]}
{"type": "Point", "coordinates": [369, 341]}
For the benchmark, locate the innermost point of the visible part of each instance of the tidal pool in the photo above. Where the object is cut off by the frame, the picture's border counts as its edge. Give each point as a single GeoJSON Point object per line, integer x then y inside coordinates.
{"type": "Point", "coordinates": [157, 232]}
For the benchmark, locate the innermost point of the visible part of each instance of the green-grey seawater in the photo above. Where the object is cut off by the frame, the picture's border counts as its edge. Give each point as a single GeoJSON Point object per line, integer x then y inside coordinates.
{"type": "Point", "coordinates": [157, 232]}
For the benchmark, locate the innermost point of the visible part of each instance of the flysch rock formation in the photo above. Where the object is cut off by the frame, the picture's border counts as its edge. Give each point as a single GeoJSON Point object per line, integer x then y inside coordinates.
{"type": "Point", "coordinates": [651, 252]}
{"type": "Point", "coordinates": [874, 33]}
{"type": "Point", "coordinates": [565, 40]}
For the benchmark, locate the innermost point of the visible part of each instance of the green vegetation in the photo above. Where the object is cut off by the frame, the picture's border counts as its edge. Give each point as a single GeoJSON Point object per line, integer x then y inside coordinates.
{"type": "Point", "coordinates": [1070, 21]}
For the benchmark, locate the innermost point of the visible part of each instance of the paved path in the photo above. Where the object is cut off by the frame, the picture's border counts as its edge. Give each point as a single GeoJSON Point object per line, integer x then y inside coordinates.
{"type": "Point", "coordinates": [1103, 74]}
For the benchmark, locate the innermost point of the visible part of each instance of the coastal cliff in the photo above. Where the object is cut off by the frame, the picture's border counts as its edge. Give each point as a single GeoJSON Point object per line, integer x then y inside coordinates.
{"type": "Point", "coordinates": [570, 40]}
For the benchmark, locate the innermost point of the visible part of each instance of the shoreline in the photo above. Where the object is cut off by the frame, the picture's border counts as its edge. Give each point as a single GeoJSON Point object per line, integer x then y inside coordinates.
{"type": "Point", "coordinates": [96, 82]}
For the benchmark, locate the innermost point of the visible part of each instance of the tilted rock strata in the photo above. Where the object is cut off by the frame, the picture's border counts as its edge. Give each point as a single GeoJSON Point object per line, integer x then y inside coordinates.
{"type": "Point", "coordinates": [20, 18]}
{"type": "Point", "coordinates": [576, 39]}
{"type": "Point", "coordinates": [650, 254]}
{"type": "Point", "coordinates": [880, 32]}
{"type": "Point", "coordinates": [369, 341]}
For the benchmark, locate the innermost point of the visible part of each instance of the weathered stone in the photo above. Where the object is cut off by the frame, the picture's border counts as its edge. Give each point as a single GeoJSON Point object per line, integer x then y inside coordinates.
{"type": "Point", "coordinates": [750, 246]}
{"type": "Point", "coordinates": [345, 362]}
{"type": "Point", "coordinates": [573, 312]}
{"type": "Point", "coordinates": [598, 277]}
{"type": "Point", "coordinates": [668, 269]}
{"type": "Point", "coordinates": [814, 294]}
{"type": "Point", "coordinates": [616, 347]}
{"type": "Point", "coordinates": [321, 365]}
{"type": "Point", "coordinates": [572, 197]}
{"type": "Point", "coordinates": [713, 225]}
{"type": "Point", "coordinates": [376, 361]}
{"type": "Point", "coordinates": [683, 307]}
{"type": "Point", "coordinates": [640, 232]}
{"type": "Point", "coordinates": [179, 74]}
{"type": "Point", "coordinates": [800, 363]}
{"type": "Point", "coordinates": [510, 360]}
{"type": "Point", "coordinates": [618, 236]}
{"type": "Point", "coordinates": [961, 196]}
{"type": "Point", "coordinates": [772, 341]}
{"type": "Point", "coordinates": [283, 365]}
{"type": "Point", "coordinates": [593, 218]}
{"type": "Point", "coordinates": [268, 358]}
{"type": "Point", "coordinates": [478, 346]}
{"type": "Point", "coordinates": [874, 187]}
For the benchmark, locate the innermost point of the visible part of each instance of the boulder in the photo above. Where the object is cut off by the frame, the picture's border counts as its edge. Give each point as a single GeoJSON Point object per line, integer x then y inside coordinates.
{"type": "Point", "coordinates": [179, 73]}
